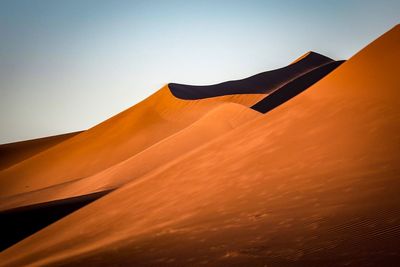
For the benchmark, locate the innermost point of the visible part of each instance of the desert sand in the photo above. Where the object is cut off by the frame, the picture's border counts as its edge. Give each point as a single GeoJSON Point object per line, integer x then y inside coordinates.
{"type": "Point", "coordinates": [313, 182]}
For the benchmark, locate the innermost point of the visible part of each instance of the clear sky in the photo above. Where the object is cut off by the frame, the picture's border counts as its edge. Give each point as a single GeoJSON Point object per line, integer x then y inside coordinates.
{"type": "Point", "coordinates": [68, 65]}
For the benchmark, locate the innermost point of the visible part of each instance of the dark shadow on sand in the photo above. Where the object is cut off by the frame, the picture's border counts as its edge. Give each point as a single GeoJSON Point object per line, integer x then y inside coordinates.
{"type": "Point", "coordinates": [295, 87]}
{"type": "Point", "coordinates": [264, 82]}
{"type": "Point", "coordinates": [19, 223]}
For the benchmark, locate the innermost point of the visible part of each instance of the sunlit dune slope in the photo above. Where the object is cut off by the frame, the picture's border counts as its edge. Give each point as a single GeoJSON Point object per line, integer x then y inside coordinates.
{"type": "Point", "coordinates": [114, 140]}
{"type": "Point", "coordinates": [314, 182]}
{"type": "Point", "coordinates": [13, 153]}
{"type": "Point", "coordinates": [214, 124]}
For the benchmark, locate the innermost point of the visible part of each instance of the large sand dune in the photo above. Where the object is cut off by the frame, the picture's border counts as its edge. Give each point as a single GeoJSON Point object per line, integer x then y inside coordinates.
{"type": "Point", "coordinates": [120, 137]}
{"type": "Point", "coordinates": [314, 182]}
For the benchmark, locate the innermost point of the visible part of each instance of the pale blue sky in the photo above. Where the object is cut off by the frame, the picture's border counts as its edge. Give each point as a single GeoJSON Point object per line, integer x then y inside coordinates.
{"type": "Point", "coordinates": [68, 65]}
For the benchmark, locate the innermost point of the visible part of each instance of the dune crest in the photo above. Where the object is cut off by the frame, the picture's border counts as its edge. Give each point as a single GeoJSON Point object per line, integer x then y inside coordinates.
{"type": "Point", "coordinates": [262, 83]}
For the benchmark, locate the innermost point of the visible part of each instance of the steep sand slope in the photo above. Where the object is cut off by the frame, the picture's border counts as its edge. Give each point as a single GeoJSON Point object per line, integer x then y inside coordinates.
{"type": "Point", "coordinates": [314, 182]}
{"type": "Point", "coordinates": [13, 153]}
{"type": "Point", "coordinates": [215, 123]}
{"type": "Point", "coordinates": [113, 141]}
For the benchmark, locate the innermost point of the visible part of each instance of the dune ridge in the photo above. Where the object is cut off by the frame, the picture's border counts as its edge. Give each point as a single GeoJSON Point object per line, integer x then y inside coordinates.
{"type": "Point", "coordinates": [261, 83]}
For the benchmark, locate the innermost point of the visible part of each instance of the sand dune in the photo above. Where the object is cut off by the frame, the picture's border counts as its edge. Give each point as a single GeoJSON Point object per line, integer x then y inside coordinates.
{"type": "Point", "coordinates": [118, 138]}
{"type": "Point", "coordinates": [214, 124]}
{"type": "Point", "coordinates": [13, 153]}
{"type": "Point", "coordinates": [314, 182]}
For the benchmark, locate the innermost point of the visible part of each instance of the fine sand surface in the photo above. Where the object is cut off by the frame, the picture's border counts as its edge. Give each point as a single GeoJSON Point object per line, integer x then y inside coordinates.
{"type": "Point", "coordinates": [214, 124]}
{"type": "Point", "coordinates": [13, 153]}
{"type": "Point", "coordinates": [314, 182]}
{"type": "Point", "coordinates": [116, 139]}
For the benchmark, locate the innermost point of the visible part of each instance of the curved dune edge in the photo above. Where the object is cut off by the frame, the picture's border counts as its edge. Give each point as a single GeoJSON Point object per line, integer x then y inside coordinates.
{"type": "Point", "coordinates": [315, 181]}
{"type": "Point", "coordinates": [215, 123]}
{"type": "Point", "coordinates": [13, 153]}
{"type": "Point", "coordinates": [262, 83]}
{"type": "Point", "coordinates": [110, 142]}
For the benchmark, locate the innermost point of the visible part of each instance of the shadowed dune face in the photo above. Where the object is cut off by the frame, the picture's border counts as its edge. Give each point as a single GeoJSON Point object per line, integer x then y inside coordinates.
{"type": "Point", "coordinates": [214, 124]}
{"type": "Point", "coordinates": [314, 182]}
{"type": "Point", "coordinates": [13, 153]}
{"type": "Point", "coordinates": [261, 83]}
{"type": "Point", "coordinates": [295, 87]}
{"type": "Point", "coordinates": [17, 224]}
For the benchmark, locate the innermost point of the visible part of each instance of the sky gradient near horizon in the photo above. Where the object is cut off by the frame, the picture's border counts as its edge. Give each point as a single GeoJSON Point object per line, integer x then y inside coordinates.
{"type": "Point", "coordinates": [68, 65]}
